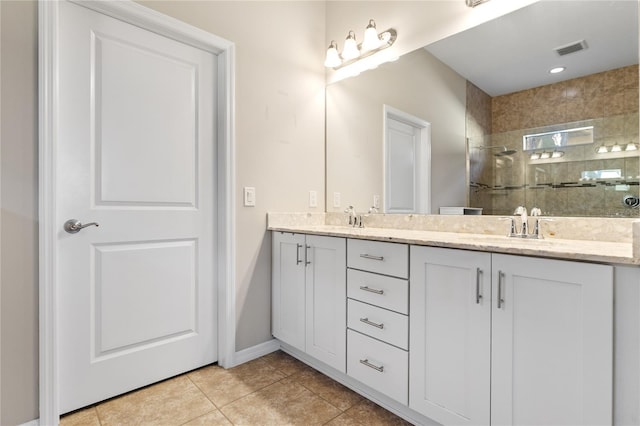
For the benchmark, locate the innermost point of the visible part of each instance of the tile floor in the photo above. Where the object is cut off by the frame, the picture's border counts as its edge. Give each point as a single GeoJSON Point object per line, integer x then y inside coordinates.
{"type": "Point", "coordinates": [273, 390]}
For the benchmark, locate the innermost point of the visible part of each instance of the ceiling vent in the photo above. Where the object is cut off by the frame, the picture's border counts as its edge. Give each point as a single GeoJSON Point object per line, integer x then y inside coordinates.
{"type": "Point", "coordinates": [576, 46]}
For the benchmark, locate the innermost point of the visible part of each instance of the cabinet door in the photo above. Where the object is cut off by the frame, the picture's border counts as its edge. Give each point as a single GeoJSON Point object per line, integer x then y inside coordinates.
{"type": "Point", "coordinates": [288, 289]}
{"type": "Point", "coordinates": [450, 336]}
{"type": "Point", "coordinates": [551, 342]}
{"type": "Point", "coordinates": [326, 283]}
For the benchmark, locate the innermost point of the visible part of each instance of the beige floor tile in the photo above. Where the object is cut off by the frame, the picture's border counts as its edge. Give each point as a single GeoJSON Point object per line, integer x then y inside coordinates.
{"type": "Point", "coordinates": [215, 418]}
{"type": "Point", "coordinates": [283, 403]}
{"type": "Point", "coordinates": [285, 363]}
{"type": "Point", "coordinates": [367, 413]}
{"type": "Point", "coordinates": [172, 402]}
{"type": "Point", "coordinates": [224, 386]}
{"type": "Point", "coordinates": [328, 389]}
{"type": "Point", "coordinates": [86, 417]}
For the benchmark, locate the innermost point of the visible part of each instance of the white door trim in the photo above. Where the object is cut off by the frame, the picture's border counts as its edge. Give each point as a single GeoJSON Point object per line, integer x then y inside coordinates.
{"type": "Point", "coordinates": [138, 15]}
{"type": "Point", "coordinates": [423, 161]}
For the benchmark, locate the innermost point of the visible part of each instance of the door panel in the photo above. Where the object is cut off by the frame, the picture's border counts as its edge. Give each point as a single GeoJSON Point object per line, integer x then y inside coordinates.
{"type": "Point", "coordinates": [136, 153]}
{"type": "Point", "coordinates": [129, 116]}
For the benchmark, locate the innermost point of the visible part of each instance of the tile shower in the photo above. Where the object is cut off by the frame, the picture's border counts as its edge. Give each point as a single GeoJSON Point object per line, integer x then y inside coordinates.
{"type": "Point", "coordinates": [574, 184]}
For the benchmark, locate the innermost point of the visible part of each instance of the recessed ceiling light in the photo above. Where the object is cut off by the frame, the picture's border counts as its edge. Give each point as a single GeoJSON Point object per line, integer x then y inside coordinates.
{"type": "Point", "coordinates": [556, 70]}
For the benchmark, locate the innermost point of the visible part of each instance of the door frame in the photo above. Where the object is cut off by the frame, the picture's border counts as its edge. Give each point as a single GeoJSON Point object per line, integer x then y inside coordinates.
{"type": "Point", "coordinates": [422, 192]}
{"type": "Point", "coordinates": [148, 19]}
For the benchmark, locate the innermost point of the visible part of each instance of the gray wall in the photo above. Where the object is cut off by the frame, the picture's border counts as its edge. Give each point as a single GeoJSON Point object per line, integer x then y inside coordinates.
{"type": "Point", "coordinates": [19, 243]}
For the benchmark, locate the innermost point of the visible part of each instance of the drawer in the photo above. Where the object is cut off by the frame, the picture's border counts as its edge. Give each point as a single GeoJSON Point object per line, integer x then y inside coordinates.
{"type": "Point", "coordinates": [381, 290]}
{"type": "Point", "coordinates": [386, 369]}
{"type": "Point", "coordinates": [388, 326]}
{"type": "Point", "coordinates": [375, 256]}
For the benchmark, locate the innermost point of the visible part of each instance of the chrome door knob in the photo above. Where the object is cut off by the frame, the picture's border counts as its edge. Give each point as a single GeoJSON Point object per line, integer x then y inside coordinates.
{"type": "Point", "coordinates": [74, 226]}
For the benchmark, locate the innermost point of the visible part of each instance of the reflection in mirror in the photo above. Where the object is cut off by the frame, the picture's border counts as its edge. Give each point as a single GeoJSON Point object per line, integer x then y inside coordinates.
{"type": "Point", "coordinates": [556, 139]}
{"type": "Point", "coordinates": [507, 93]}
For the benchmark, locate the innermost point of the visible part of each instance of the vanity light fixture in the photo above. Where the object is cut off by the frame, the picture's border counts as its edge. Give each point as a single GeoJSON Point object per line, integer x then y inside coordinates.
{"type": "Point", "coordinates": [602, 149]}
{"type": "Point", "coordinates": [545, 155]}
{"type": "Point", "coordinates": [535, 156]}
{"type": "Point", "coordinates": [616, 148]}
{"type": "Point", "coordinates": [631, 147]}
{"type": "Point", "coordinates": [556, 70]}
{"type": "Point", "coordinates": [353, 52]}
{"type": "Point", "coordinates": [557, 154]}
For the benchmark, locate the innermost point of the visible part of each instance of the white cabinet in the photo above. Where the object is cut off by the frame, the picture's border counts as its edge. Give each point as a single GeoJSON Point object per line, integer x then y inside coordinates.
{"type": "Point", "coordinates": [552, 342]}
{"type": "Point", "coordinates": [508, 340]}
{"type": "Point", "coordinates": [309, 295]}
{"type": "Point", "coordinates": [450, 335]}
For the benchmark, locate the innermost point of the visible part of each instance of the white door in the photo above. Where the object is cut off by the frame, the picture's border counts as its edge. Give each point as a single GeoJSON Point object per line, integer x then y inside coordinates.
{"type": "Point", "coordinates": [552, 342]}
{"type": "Point", "coordinates": [288, 289]}
{"type": "Point", "coordinates": [450, 335]}
{"type": "Point", "coordinates": [407, 168]}
{"type": "Point", "coordinates": [135, 153]}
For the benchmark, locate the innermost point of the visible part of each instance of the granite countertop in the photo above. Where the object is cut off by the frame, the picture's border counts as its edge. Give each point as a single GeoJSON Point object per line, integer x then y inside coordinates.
{"type": "Point", "coordinates": [584, 250]}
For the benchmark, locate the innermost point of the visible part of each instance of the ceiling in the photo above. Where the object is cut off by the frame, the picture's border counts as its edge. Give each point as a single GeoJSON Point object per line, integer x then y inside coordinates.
{"type": "Point", "coordinates": [516, 51]}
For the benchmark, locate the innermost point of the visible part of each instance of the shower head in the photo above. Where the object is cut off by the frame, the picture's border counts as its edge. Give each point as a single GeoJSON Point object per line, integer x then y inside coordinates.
{"type": "Point", "coordinates": [504, 152]}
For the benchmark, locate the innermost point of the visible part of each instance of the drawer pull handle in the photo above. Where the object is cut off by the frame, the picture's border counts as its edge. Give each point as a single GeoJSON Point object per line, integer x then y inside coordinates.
{"type": "Point", "coordinates": [298, 260]}
{"type": "Point", "coordinates": [500, 295]}
{"type": "Point", "coordinates": [375, 367]}
{"type": "Point", "coordinates": [372, 257]}
{"type": "Point", "coordinates": [371, 290]}
{"type": "Point", "coordinates": [366, 321]}
{"type": "Point", "coordinates": [478, 295]}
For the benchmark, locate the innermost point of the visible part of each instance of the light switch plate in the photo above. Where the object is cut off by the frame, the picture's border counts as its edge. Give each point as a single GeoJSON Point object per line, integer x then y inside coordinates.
{"type": "Point", "coordinates": [376, 201]}
{"type": "Point", "coordinates": [249, 196]}
{"type": "Point", "coordinates": [336, 199]}
{"type": "Point", "coordinates": [313, 198]}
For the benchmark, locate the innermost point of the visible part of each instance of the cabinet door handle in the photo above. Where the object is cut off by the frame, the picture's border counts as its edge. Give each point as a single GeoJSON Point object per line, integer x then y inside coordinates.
{"type": "Point", "coordinates": [478, 295]}
{"type": "Point", "coordinates": [500, 298]}
{"type": "Point", "coordinates": [372, 257]}
{"type": "Point", "coordinates": [371, 290]}
{"type": "Point", "coordinates": [375, 367]}
{"type": "Point", "coordinates": [306, 255]}
{"type": "Point", "coordinates": [376, 325]}
{"type": "Point", "coordinates": [298, 260]}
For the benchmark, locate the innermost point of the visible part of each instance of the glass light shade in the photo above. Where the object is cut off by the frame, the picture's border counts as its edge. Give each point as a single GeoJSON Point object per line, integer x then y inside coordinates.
{"type": "Point", "coordinates": [333, 57]}
{"type": "Point", "coordinates": [371, 40]}
{"type": "Point", "coordinates": [616, 148]}
{"type": "Point", "coordinates": [602, 149]}
{"type": "Point", "coordinates": [545, 155]}
{"type": "Point", "coordinates": [535, 156]}
{"type": "Point", "coordinates": [631, 147]}
{"type": "Point", "coordinates": [350, 47]}
{"type": "Point", "coordinates": [557, 154]}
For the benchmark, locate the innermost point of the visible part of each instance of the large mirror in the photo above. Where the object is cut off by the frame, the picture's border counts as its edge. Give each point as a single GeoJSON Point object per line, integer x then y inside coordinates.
{"type": "Point", "coordinates": [483, 92]}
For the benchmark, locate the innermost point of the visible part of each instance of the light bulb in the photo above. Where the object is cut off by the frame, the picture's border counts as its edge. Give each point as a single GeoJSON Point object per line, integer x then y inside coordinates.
{"type": "Point", "coordinates": [616, 148]}
{"type": "Point", "coordinates": [350, 47]}
{"type": "Point", "coordinates": [333, 57]}
{"type": "Point", "coordinates": [631, 147]}
{"type": "Point", "coordinates": [371, 40]}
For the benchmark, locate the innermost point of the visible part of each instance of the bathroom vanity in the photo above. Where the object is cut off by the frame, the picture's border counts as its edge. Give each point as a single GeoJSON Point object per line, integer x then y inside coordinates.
{"type": "Point", "coordinates": [462, 328]}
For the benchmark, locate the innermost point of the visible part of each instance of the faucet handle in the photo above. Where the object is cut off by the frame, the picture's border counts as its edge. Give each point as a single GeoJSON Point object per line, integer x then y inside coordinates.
{"type": "Point", "coordinates": [520, 210]}
{"type": "Point", "coordinates": [512, 228]}
{"type": "Point", "coordinates": [536, 229]}
{"type": "Point", "coordinates": [536, 212]}
{"type": "Point", "coordinates": [373, 209]}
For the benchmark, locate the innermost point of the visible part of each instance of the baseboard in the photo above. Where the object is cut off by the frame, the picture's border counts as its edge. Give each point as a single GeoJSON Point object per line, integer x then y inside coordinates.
{"type": "Point", "coordinates": [35, 422]}
{"type": "Point", "coordinates": [254, 352]}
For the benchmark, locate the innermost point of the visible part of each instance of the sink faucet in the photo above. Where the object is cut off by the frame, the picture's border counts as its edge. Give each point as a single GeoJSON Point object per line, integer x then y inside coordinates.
{"type": "Point", "coordinates": [353, 217]}
{"type": "Point", "coordinates": [524, 231]}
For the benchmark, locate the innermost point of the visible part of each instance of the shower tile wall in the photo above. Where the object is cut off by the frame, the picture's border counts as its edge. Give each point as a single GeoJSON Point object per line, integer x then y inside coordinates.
{"type": "Point", "coordinates": [608, 101]}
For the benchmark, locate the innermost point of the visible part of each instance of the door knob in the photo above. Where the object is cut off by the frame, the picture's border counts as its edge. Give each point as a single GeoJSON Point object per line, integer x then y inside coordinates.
{"type": "Point", "coordinates": [73, 226]}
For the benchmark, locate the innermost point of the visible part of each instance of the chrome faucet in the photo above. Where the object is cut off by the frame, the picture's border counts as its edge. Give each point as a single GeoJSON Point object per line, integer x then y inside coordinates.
{"type": "Point", "coordinates": [354, 219]}
{"type": "Point", "coordinates": [524, 230]}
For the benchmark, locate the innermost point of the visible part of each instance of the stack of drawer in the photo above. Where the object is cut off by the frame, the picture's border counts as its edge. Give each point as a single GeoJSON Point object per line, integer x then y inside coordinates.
{"type": "Point", "coordinates": [377, 316]}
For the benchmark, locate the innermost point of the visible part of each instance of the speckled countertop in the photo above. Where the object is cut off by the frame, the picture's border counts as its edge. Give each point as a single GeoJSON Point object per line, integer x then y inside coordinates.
{"type": "Point", "coordinates": [622, 249]}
